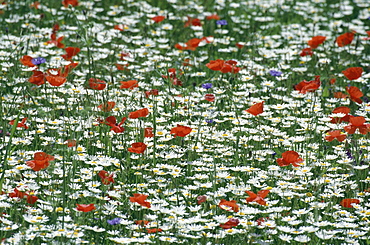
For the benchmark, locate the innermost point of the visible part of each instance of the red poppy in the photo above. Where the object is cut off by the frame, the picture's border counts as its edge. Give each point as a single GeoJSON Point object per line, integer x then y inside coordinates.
{"type": "Point", "coordinates": [213, 17]}
{"type": "Point", "coordinates": [158, 18]}
{"type": "Point", "coordinates": [85, 207]}
{"type": "Point", "coordinates": [201, 199]}
{"type": "Point", "coordinates": [35, 5]}
{"type": "Point", "coordinates": [151, 92]}
{"type": "Point", "coordinates": [357, 123]}
{"type": "Point", "coordinates": [115, 127]}
{"type": "Point", "coordinates": [173, 77]}
{"type": "Point", "coordinates": [306, 52]}
{"type": "Point", "coordinates": [122, 67]}
{"type": "Point", "coordinates": [353, 73]}
{"type": "Point", "coordinates": [342, 109]}
{"type": "Point", "coordinates": [129, 84]}
{"type": "Point", "coordinates": [336, 134]}
{"type": "Point", "coordinates": [355, 94]}
{"type": "Point", "coordinates": [56, 41]}
{"type": "Point", "coordinates": [55, 80]}
{"type": "Point", "coordinates": [192, 44]}
{"type": "Point", "coordinates": [140, 199]}
{"type": "Point", "coordinates": [41, 161]}
{"type": "Point", "coordinates": [192, 22]}
{"type": "Point", "coordinates": [289, 157]}
{"type": "Point", "coordinates": [332, 81]}
{"type": "Point", "coordinates": [138, 148]}
{"type": "Point", "coordinates": [71, 143]}
{"type": "Point", "coordinates": [258, 198]}
{"type": "Point", "coordinates": [74, 3]}
{"type": "Point", "coordinates": [181, 131]}
{"type": "Point", "coordinates": [154, 230]}
{"type": "Point", "coordinates": [142, 222]}
{"type": "Point", "coordinates": [97, 84]}
{"type": "Point", "coordinates": [105, 177]}
{"type": "Point", "coordinates": [139, 113]}
{"type": "Point", "coordinates": [223, 66]}
{"type": "Point", "coordinates": [71, 51]}
{"type": "Point", "coordinates": [20, 124]}
{"type": "Point", "coordinates": [316, 41]}
{"type": "Point", "coordinates": [304, 86]}
{"type": "Point", "coordinates": [148, 132]}
{"type": "Point", "coordinates": [345, 39]}
{"type": "Point", "coordinates": [340, 95]}
{"type": "Point", "coordinates": [229, 205]}
{"type": "Point", "coordinates": [347, 203]}
{"type": "Point", "coordinates": [17, 193]}
{"type": "Point", "coordinates": [120, 27]}
{"type": "Point", "coordinates": [209, 97]}
{"type": "Point", "coordinates": [230, 223]}
{"type": "Point", "coordinates": [27, 61]}
{"type": "Point", "coordinates": [31, 199]}
{"type": "Point", "coordinates": [256, 109]}
{"type": "Point", "coordinates": [38, 78]}
{"type": "Point", "coordinates": [108, 106]}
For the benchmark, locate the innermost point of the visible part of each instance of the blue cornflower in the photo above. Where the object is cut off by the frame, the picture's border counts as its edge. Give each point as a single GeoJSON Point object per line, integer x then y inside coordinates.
{"type": "Point", "coordinates": [38, 61]}
{"type": "Point", "coordinates": [115, 221]}
{"type": "Point", "coordinates": [209, 121]}
{"type": "Point", "coordinates": [207, 85]}
{"type": "Point", "coordinates": [275, 73]}
{"type": "Point", "coordinates": [221, 22]}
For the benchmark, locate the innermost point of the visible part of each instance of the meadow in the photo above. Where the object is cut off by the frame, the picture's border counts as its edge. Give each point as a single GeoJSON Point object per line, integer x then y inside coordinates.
{"type": "Point", "coordinates": [185, 122]}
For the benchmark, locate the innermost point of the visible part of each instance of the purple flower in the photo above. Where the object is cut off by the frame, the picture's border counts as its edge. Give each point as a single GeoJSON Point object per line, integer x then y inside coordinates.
{"type": "Point", "coordinates": [275, 73]}
{"type": "Point", "coordinates": [115, 221]}
{"type": "Point", "coordinates": [221, 22]}
{"type": "Point", "coordinates": [209, 121]}
{"type": "Point", "coordinates": [207, 85]}
{"type": "Point", "coordinates": [38, 61]}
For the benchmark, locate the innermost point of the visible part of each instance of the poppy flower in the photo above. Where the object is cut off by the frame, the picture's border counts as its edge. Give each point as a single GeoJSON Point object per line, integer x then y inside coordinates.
{"type": "Point", "coordinates": [35, 5]}
{"type": "Point", "coordinates": [201, 199]}
{"type": "Point", "coordinates": [26, 60]}
{"type": "Point", "coordinates": [38, 78]}
{"type": "Point", "coordinates": [304, 86]}
{"type": "Point", "coordinates": [138, 148]}
{"type": "Point", "coordinates": [74, 3]}
{"type": "Point", "coordinates": [340, 95]}
{"type": "Point", "coordinates": [31, 199]}
{"type": "Point", "coordinates": [230, 223]}
{"type": "Point", "coordinates": [213, 17]}
{"type": "Point", "coordinates": [306, 52]}
{"type": "Point", "coordinates": [105, 177]}
{"type": "Point", "coordinates": [71, 143]}
{"type": "Point", "coordinates": [289, 157]}
{"type": "Point", "coordinates": [56, 41]}
{"type": "Point", "coordinates": [140, 199]}
{"type": "Point", "coordinates": [85, 207]}
{"type": "Point", "coordinates": [336, 134]}
{"type": "Point", "coordinates": [41, 161]}
{"type": "Point", "coordinates": [209, 97]}
{"type": "Point", "coordinates": [332, 81]}
{"type": "Point", "coordinates": [181, 131]}
{"type": "Point", "coordinates": [353, 73]}
{"type": "Point", "coordinates": [345, 39]}
{"type": "Point", "coordinates": [357, 123]}
{"type": "Point", "coordinates": [142, 222]}
{"type": "Point", "coordinates": [122, 67]}
{"type": "Point", "coordinates": [153, 230]}
{"type": "Point", "coordinates": [71, 51]}
{"type": "Point", "coordinates": [256, 109]}
{"type": "Point", "coordinates": [193, 43]}
{"type": "Point", "coordinates": [20, 124]}
{"type": "Point", "coordinates": [115, 127]}
{"type": "Point", "coordinates": [129, 84]}
{"type": "Point", "coordinates": [192, 22]}
{"type": "Point", "coordinates": [355, 94]}
{"type": "Point", "coordinates": [229, 205]}
{"type": "Point", "coordinates": [55, 80]}
{"type": "Point", "coordinates": [344, 110]}
{"type": "Point", "coordinates": [17, 193]}
{"type": "Point", "coordinates": [97, 84]}
{"type": "Point", "coordinates": [215, 65]}
{"type": "Point", "coordinates": [139, 113]}
{"type": "Point", "coordinates": [151, 92]}
{"type": "Point", "coordinates": [148, 132]}
{"type": "Point", "coordinates": [120, 27]}
{"type": "Point", "coordinates": [316, 41]}
{"type": "Point", "coordinates": [223, 66]}
{"type": "Point", "coordinates": [347, 203]}
{"type": "Point", "coordinates": [158, 18]}
{"type": "Point", "coordinates": [258, 198]}
{"type": "Point", "coordinates": [108, 106]}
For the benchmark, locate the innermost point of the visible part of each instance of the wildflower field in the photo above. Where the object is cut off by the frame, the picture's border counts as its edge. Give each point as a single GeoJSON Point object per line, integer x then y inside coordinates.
{"type": "Point", "coordinates": [180, 121]}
